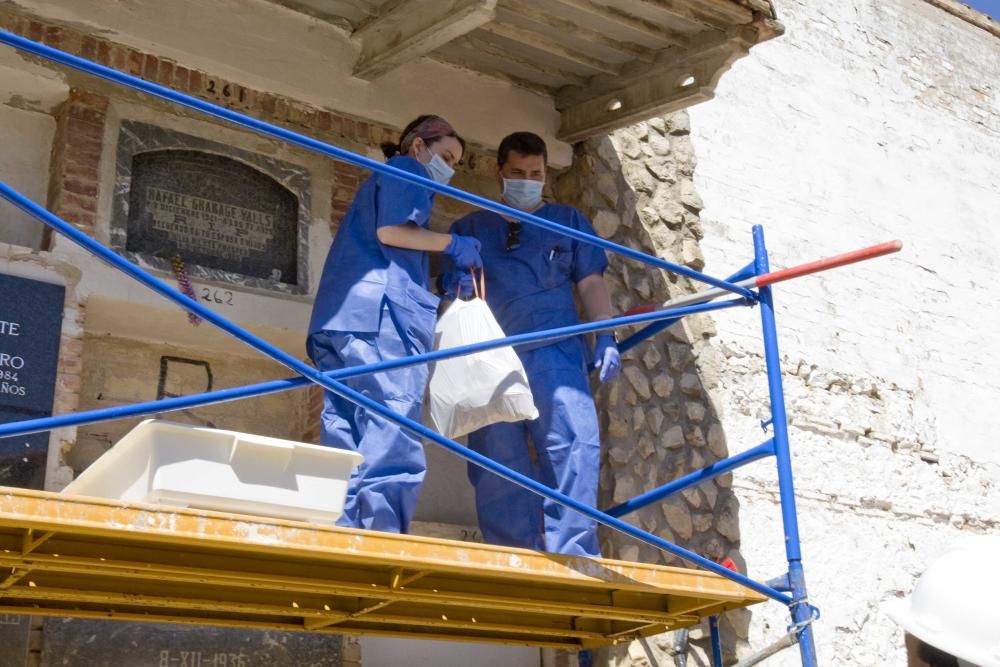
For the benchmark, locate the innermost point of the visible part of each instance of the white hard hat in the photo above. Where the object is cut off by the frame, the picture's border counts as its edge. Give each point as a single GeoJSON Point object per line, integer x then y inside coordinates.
{"type": "Point", "coordinates": [955, 606]}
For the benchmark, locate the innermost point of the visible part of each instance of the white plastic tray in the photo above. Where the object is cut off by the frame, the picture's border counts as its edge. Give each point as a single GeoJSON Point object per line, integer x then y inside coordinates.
{"type": "Point", "coordinates": [188, 466]}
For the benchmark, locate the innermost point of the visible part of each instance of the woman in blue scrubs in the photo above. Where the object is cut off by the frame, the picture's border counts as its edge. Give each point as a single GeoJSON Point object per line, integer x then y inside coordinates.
{"type": "Point", "coordinates": [374, 304]}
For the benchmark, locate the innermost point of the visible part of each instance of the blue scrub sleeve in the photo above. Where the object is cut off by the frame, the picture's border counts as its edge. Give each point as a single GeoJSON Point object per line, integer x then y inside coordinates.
{"type": "Point", "coordinates": [588, 259]}
{"type": "Point", "coordinates": [399, 202]}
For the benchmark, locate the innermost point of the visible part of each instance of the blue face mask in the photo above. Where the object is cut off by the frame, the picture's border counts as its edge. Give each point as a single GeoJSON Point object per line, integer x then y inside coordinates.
{"type": "Point", "coordinates": [523, 194]}
{"type": "Point", "coordinates": [438, 169]}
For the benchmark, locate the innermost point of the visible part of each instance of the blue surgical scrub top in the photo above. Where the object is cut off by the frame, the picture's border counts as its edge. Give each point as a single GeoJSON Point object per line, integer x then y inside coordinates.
{"type": "Point", "coordinates": [360, 271]}
{"type": "Point", "coordinates": [531, 287]}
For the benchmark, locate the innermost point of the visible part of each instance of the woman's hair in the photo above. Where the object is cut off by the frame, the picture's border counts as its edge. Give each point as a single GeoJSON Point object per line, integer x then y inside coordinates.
{"type": "Point", "coordinates": [428, 127]}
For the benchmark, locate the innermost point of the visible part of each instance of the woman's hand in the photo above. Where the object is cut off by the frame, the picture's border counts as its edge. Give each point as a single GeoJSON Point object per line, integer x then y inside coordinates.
{"type": "Point", "coordinates": [464, 251]}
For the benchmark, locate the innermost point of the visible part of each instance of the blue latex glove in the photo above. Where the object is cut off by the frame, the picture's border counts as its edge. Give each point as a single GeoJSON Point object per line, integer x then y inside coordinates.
{"type": "Point", "coordinates": [606, 358]}
{"type": "Point", "coordinates": [457, 284]}
{"type": "Point", "coordinates": [464, 251]}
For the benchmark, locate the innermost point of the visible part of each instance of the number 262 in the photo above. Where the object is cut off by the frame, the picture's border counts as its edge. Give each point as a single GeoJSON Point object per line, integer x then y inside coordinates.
{"type": "Point", "coordinates": [217, 296]}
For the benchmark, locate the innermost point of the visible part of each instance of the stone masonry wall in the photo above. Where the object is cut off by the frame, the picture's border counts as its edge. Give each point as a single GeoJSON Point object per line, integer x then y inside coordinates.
{"type": "Point", "coordinates": [658, 420]}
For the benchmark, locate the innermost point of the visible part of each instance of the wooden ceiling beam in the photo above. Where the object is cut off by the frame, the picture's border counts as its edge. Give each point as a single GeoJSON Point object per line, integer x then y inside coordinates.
{"type": "Point", "coordinates": [630, 22]}
{"type": "Point", "coordinates": [546, 44]}
{"type": "Point", "coordinates": [709, 13]}
{"type": "Point", "coordinates": [478, 52]}
{"type": "Point", "coordinates": [410, 29]}
{"type": "Point", "coordinates": [530, 12]}
{"type": "Point", "coordinates": [679, 79]}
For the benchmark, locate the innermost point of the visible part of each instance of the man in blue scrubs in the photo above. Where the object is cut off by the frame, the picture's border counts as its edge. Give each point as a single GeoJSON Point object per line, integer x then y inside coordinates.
{"type": "Point", "coordinates": [530, 275]}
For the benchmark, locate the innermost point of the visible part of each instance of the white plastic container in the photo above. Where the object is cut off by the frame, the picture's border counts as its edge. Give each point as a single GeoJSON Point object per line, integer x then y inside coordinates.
{"type": "Point", "coordinates": [188, 466]}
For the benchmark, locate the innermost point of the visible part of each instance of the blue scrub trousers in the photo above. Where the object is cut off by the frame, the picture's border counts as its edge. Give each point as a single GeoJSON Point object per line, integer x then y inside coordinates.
{"type": "Point", "coordinates": [382, 493]}
{"type": "Point", "coordinates": [561, 449]}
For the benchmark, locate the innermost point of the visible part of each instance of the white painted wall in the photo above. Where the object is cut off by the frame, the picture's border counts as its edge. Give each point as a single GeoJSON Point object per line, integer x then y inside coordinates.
{"type": "Point", "coordinates": [869, 120]}
{"type": "Point", "coordinates": [26, 84]}
{"type": "Point", "coordinates": [265, 46]}
{"type": "Point", "coordinates": [24, 166]}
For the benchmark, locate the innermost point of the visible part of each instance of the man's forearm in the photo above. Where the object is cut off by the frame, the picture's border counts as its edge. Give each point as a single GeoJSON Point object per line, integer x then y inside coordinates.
{"type": "Point", "coordinates": [595, 297]}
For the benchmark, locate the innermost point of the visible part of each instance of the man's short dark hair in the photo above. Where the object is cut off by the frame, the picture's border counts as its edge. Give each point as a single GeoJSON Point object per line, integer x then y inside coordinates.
{"type": "Point", "coordinates": [525, 143]}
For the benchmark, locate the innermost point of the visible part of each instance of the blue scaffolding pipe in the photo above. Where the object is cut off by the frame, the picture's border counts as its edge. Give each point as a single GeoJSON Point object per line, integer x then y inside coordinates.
{"type": "Point", "coordinates": [659, 325]}
{"type": "Point", "coordinates": [716, 639]}
{"type": "Point", "coordinates": [315, 145]}
{"type": "Point", "coordinates": [274, 386]}
{"type": "Point", "coordinates": [693, 479]}
{"type": "Point", "coordinates": [802, 612]}
{"type": "Point", "coordinates": [282, 357]}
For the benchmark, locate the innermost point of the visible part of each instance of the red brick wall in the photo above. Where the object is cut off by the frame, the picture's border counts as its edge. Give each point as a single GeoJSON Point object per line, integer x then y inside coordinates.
{"type": "Point", "coordinates": [74, 175]}
{"type": "Point", "coordinates": [66, 398]}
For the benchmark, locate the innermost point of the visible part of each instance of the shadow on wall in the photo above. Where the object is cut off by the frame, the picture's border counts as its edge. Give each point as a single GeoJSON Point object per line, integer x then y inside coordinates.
{"type": "Point", "coordinates": [658, 419]}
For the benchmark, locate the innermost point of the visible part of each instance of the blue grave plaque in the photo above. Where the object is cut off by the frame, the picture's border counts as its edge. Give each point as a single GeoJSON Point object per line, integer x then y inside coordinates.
{"type": "Point", "coordinates": [31, 315]}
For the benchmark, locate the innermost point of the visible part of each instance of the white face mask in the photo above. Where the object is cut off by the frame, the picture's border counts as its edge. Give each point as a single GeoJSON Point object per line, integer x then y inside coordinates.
{"type": "Point", "coordinates": [522, 193]}
{"type": "Point", "coordinates": [438, 169]}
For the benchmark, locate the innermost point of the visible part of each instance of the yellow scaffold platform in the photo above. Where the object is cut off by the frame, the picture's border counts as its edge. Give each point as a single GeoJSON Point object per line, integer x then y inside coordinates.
{"type": "Point", "coordinates": [92, 558]}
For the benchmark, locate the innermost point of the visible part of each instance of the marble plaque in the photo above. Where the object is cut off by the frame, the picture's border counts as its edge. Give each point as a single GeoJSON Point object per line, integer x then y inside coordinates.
{"type": "Point", "coordinates": [212, 211]}
{"type": "Point", "coordinates": [231, 215]}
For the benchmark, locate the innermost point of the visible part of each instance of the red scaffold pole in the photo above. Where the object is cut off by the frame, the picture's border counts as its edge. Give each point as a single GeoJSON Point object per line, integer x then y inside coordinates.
{"type": "Point", "coordinates": [808, 268]}
{"type": "Point", "coordinates": [781, 275]}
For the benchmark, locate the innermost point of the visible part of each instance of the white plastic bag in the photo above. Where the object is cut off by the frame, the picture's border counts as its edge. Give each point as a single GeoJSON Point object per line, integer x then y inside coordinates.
{"type": "Point", "coordinates": [476, 390]}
